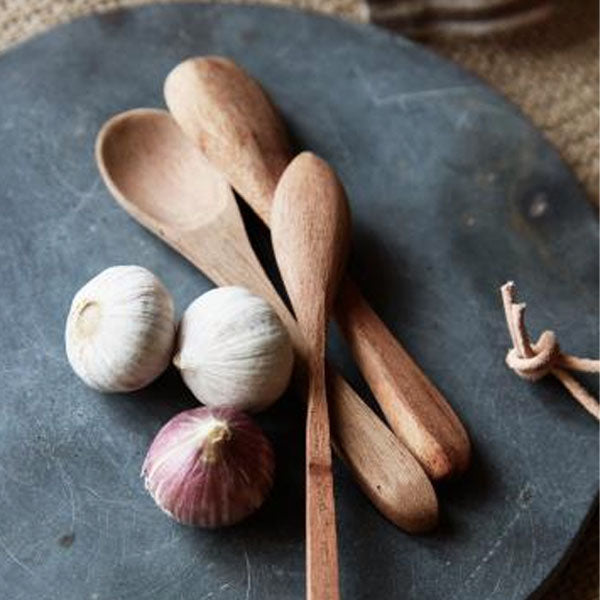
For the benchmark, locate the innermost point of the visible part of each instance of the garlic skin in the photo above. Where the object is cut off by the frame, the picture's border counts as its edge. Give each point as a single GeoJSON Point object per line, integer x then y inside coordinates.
{"type": "Point", "coordinates": [209, 467]}
{"type": "Point", "coordinates": [233, 350]}
{"type": "Point", "coordinates": [120, 331]}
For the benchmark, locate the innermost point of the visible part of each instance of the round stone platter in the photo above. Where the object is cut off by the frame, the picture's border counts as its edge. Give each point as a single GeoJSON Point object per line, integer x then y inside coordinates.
{"type": "Point", "coordinates": [453, 192]}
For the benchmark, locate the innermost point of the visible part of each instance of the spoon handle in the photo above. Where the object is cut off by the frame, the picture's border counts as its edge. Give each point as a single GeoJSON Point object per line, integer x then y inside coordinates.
{"type": "Point", "coordinates": [382, 465]}
{"type": "Point", "coordinates": [322, 577]}
{"type": "Point", "coordinates": [414, 408]}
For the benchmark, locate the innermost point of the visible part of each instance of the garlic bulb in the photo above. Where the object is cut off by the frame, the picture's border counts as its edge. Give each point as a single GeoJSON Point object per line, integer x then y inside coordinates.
{"type": "Point", "coordinates": [209, 467]}
{"type": "Point", "coordinates": [232, 350]}
{"type": "Point", "coordinates": [120, 330]}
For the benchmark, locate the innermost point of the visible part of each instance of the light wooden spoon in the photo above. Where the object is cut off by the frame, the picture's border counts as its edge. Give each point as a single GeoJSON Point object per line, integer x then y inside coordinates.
{"type": "Point", "coordinates": [165, 184]}
{"type": "Point", "coordinates": [229, 117]}
{"type": "Point", "coordinates": [310, 229]}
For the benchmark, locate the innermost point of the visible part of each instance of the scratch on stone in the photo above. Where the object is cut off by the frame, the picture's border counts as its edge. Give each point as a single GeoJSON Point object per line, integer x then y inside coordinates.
{"type": "Point", "coordinates": [65, 183]}
{"type": "Point", "coordinates": [248, 575]}
{"type": "Point", "coordinates": [494, 548]}
{"type": "Point", "coordinates": [169, 581]}
{"type": "Point", "coordinates": [41, 345]}
{"type": "Point", "coordinates": [482, 379]}
{"type": "Point", "coordinates": [92, 562]}
{"type": "Point", "coordinates": [401, 97]}
{"type": "Point", "coordinates": [533, 539]}
{"type": "Point", "coordinates": [423, 94]}
{"type": "Point", "coordinates": [413, 580]}
{"type": "Point", "coordinates": [282, 52]}
{"type": "Point", "coordinates": [10, 476]}
{"type": "Point", "coordinates": [337, 137]}
{"type": "Point", "coordinates": [84, 198]}
{"type": "Point", "coordinates": [69, 487]}
{"type": "Point", "coordinates": [123, 503]}
{"type": "Point", "coordinates": [14, 558]}
{"type": "Point", "coordinates": [523, 501]}
{"type": "Point", "coordinates": [182, 34]}
{"type": "Point", "coordinates": [491, 594]}
{"type": "Point", "coordinates": [157, 549]}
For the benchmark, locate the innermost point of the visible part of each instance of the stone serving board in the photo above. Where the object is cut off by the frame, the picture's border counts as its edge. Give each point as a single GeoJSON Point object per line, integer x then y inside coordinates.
{"type": "Point", "coordinates": [453, 192]}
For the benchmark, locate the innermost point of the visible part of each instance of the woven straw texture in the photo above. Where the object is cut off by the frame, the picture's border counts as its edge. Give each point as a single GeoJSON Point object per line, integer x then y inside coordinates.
{"type": "Point", "coordinates": [549, 70]}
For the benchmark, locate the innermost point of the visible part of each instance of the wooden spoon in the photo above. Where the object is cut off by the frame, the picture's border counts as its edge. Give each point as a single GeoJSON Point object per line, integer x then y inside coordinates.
{"type": "Point", "coordinates": [230, 118]}
{"type": "Point", "coordinates": [310, 229]}
{"type": "Point", "coordinates": [165, 184]}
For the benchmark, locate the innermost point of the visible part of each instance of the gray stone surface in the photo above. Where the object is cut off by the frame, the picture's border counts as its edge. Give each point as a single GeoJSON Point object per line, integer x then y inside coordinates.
{"type": "Point", "coordinates": [453, 192]}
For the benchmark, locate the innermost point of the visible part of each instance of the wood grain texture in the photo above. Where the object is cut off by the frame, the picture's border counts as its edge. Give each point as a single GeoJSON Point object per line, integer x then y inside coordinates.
{"type": "Point", "coordinates": [380, 458]}
{"type": "Point", "coordinates": [322, 565]}
{"type": "Point", "coordinates": [144, 159]}
{"type": "Point", "coordinates": [412, 405]}
{"type": "Point", "coordinates": [228, 119]}
{"type": "Point", "coordinates": [207, 90]}
{"type": "Point", "coordinates": [310, 225]}
{"type": "Point", "coordinates": [133, 145]}
{"type": "Point", "coordinates": [310, 229]}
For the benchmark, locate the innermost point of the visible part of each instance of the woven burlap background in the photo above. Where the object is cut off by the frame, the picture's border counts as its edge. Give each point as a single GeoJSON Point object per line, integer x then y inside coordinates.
{"type": "Point", "coordinates": [550, 71]}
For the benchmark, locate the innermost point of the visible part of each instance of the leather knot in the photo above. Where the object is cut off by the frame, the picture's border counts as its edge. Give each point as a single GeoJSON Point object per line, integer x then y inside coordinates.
{"type": "Point", "coordinates": [546, 352]}
{"type": "Point", "coordinates": [534, 361]}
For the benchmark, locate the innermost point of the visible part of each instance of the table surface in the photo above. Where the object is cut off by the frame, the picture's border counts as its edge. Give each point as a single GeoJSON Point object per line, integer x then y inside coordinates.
{"type": "Point", "coordinates": [478, 151]}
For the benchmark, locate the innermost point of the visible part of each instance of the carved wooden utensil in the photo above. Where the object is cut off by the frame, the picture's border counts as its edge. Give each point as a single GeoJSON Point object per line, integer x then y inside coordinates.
{"type": "Point", "coordinates": [228, 116]}
{"type": "Point", "coordinates": [310, 228]}
{"type": "Point", "coordinates": [164, 183]}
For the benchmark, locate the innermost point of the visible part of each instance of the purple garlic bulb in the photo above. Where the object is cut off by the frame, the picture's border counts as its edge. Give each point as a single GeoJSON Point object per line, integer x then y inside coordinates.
{"type": "Point", "coordinates": [209, 467]}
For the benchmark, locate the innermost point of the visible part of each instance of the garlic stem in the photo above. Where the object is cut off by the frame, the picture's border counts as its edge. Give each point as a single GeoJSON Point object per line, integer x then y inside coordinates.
{"type": "Point", "coordinates": [215, 436]}
{"type": "Point", "coordinates": [87, 318]}
{"type": "Point", "coordinates": [177, 360]}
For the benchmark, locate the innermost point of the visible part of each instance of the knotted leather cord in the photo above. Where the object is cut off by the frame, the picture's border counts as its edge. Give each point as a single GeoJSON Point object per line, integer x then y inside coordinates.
{"type": "Point", "coordinates": [534, 361]}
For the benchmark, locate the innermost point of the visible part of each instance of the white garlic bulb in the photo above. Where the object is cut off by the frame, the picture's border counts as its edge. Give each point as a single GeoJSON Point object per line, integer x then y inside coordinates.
{"type": "Point", "coordinates": [233, 350]}
{"type": "Point", "coordinates": [120, 330]}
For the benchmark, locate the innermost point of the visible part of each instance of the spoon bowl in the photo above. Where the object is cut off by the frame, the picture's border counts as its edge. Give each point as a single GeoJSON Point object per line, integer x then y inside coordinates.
{"type": "Point", "coordinates": [227, 115]}
{"type": "Point", "coordinates": [136, 145]}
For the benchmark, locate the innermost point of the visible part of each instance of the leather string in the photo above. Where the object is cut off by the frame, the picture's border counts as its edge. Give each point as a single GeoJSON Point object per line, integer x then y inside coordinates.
{"type": "Point", "coordinates": [532, 361]}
